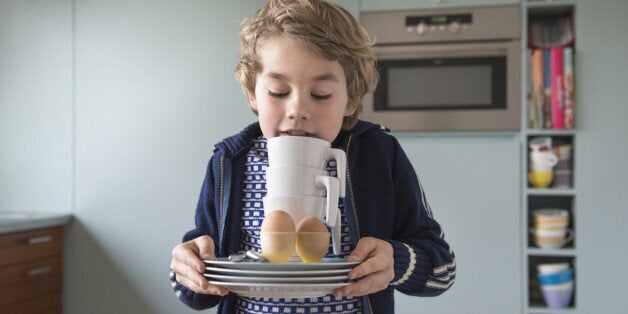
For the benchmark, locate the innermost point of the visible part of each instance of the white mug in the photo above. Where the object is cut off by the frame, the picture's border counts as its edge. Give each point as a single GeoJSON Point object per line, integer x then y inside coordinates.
{"type": "Point", "coordinates": [306, 152]}
{"type": "Point", "coordinates": [293, 180]}
{"type": "Point", "coordinates": [301, 206]}
{"type": "Point", "coordinates": [553, 239]}
{"type": "Point", "coordinates": [542, 161]}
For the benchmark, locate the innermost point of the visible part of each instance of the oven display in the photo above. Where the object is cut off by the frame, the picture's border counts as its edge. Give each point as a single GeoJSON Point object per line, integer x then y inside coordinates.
{"type": "Point", "coordinates": [439, 19]}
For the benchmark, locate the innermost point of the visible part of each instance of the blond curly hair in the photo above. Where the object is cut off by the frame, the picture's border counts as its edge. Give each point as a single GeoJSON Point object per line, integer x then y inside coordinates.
{"type": "Point", "coordinates": [328, 29]}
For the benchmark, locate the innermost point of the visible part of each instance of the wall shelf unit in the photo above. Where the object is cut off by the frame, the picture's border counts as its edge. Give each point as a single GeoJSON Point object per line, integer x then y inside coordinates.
{"type": "Point", "coordinates": [549, 119]}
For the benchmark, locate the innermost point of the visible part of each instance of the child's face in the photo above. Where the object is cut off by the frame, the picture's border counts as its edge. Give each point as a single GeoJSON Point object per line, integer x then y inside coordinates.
{"type": "Point", "coordinates": [298, 92]}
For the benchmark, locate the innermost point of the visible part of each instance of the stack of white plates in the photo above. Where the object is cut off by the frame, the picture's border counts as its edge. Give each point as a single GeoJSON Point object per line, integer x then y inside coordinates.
{"type": "Point", "coordinates": [285, 280]}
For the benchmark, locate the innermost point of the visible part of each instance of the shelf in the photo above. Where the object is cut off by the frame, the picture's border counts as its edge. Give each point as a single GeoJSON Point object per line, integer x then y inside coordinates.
{"type": "Point", "coordinates": [543, 310]}
{"type": "Point", "coordinates": [550, 132]}
{"type": "Point", "coordinates": [557, 252]}
{"type": "Point", "coordinates": [547, 18]}
{"type": "Point", "coordinates": [550, 191]}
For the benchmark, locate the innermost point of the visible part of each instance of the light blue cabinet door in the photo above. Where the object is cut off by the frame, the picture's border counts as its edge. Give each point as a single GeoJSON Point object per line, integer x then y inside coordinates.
{"type": "Point", "coordinates": [377, 5]}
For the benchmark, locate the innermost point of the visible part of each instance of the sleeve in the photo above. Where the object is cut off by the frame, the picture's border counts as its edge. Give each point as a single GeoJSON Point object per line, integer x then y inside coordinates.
{"type": "Point", "coordinates": [206, 224]}
{"type": "Point", "coordinates": [424, 263]}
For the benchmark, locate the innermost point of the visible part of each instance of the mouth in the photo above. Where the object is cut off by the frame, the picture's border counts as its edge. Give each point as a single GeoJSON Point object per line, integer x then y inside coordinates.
{"type": "Point", "coordinates": [295, 133]}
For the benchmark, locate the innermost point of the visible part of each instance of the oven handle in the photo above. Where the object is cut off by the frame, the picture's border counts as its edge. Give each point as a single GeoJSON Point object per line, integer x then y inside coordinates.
{"type": "Point", "coordinates": [452, 50]}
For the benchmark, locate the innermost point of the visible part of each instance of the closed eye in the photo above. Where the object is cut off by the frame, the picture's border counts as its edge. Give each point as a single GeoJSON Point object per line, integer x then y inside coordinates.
{"type": "Point", "coordinates": [277, 95]}
{"type": "Point", "coordinates": [321, 97]}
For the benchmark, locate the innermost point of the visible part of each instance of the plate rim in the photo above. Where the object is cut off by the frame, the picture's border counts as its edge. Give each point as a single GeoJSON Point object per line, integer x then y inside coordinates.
{"type": "Point", "coordinates": [223, 262]}
{"type": "Point", "coordinates": [277, 273]}
{"type": "Point", "coordinates": [279, 280]}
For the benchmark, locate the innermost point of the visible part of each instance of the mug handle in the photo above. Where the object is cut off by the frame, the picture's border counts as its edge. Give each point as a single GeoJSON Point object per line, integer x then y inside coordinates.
{"type": "Point", "coordinates": [341, 166]}
{"type": "Point", "coordinates": [570, 235]}
{"type": "Point", "coordinates": [331, 185]}
{"type": "Point", "coordinates": [553, 159]}
{"type": "Point", "coordinates": [336, 237]}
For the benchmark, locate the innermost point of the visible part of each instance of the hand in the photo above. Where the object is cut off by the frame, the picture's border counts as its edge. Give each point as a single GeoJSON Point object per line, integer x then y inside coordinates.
{"type": "Point", "coordinates": [374, 273]}
{"type": "Point", "coordinates": [188, 266]}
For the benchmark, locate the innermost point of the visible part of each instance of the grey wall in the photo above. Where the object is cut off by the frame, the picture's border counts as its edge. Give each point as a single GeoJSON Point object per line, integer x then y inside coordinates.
{"type": "Point", "coordinates": [109, 109]}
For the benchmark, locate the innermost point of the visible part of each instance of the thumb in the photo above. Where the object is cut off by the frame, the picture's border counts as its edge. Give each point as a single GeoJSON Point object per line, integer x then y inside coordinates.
{"type": "Point", "coordinates": [361, 251]}
{"type": "Point", "coordinates": [205, 246]}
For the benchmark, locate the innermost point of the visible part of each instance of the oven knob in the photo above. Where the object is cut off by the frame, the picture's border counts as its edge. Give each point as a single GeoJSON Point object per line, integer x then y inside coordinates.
{"type": "Point", "coordinates": [421, 28]}
{"type": "Point", "coordinates": [455, 27]}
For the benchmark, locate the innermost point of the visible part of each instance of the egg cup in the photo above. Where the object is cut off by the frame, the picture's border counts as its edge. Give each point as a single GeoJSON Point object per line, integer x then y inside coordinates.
{"type": "Point", "coordinates": [312, 246]}
{"type": "Point", "coordinates": [278, 247]}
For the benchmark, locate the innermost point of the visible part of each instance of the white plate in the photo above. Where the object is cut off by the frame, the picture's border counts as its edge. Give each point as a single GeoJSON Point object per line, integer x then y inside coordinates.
{"type": "Point", "coordinates": [284, 290]}
{"type": "Point", "coordinates": [276, 273]}
{"type": "Point", "coordinates": [332, 263]}
{"type": "Point", "coordinates": [322, 279]}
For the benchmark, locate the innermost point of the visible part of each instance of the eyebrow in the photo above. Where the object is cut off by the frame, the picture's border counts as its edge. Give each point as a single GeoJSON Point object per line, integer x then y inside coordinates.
{"type": "Point", "coordinates": [318, 78]}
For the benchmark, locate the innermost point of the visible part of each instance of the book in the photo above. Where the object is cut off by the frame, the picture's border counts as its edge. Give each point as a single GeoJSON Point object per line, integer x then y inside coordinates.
{"type": "Point", "coordinates": [568, 84]}
{"type": "Point", "coordinates": [547, 101]}
{"type": "Point", "coordinates": [556, 72]}
{"type": "Point", "coordinates": [538, 87]}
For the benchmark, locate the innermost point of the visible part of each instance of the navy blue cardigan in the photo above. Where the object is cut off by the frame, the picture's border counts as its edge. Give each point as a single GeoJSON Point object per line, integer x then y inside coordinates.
{"type": "Point", "coordinates": [384, 199]}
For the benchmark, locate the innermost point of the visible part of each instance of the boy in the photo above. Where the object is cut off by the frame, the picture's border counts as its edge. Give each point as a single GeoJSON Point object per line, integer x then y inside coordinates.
{"type": "Point", "coordinates": [305, 66]}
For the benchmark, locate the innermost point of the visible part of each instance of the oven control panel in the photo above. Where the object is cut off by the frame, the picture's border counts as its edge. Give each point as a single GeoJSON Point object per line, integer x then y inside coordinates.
{"type": "Point", "coordinates": [423, 24]}
{"type": "Point", "coordinates": [444, 25]}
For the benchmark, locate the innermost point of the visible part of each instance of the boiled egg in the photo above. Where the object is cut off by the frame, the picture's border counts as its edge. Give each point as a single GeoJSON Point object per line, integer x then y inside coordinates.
{"type": "Point", "coordinates": [312, 241]}
{"type": "Point", "coordinates": [277, 236]}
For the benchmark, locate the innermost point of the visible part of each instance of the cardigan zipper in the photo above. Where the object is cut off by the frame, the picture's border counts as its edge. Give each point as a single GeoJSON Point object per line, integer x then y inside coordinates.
{"type": "Point", "coordinates": [222, 195]}
{"type": "Point", "coordinates": [355, 213]}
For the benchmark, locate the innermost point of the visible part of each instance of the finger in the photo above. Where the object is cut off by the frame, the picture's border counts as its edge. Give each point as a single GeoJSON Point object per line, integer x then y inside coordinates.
{"type": "Point", "coordinates": [189, 273]}
{"type": "Point", "coordinates": [372, 265]}
{"type": "Point", "coordinates": [186, 253]}
{"type": "Point", "coordinates": [369, 284]}
{"type": "Point", "coordinates": [205, 246]}
{"type": "Point", "coordinates": [362, 250]}
{"type": "Point", "coordinates": [206, 288]}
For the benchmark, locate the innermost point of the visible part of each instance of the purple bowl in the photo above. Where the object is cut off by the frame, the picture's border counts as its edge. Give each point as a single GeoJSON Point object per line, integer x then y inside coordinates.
{"type": "Point", "coordinates": [557, 296]}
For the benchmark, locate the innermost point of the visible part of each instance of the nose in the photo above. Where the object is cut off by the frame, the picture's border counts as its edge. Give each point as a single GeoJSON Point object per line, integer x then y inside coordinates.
{"type": "Point", "coordinates": [298, 108]}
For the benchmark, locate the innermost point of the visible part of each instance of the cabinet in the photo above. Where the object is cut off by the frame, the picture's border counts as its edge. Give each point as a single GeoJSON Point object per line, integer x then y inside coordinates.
{"type": "Point", "coordinates": [31, 271]}
{"type": "Point", "coordinates": [550, 138]}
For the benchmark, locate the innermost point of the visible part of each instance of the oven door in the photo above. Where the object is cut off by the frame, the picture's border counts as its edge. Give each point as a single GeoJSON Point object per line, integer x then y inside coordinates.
{"type": "Point", "coordinates": [447, 87]}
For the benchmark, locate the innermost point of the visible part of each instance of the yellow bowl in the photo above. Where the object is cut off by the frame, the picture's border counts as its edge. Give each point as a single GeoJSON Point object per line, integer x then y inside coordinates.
{"type": "Point", "coordinates": [540, 179]}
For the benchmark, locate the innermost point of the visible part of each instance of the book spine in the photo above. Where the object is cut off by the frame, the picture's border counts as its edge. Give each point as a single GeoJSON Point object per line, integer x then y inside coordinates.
{"type": "Point", "coordinates": [568, 87]}
{"type": "Point", "coordinates": [532, 122]}
{"type": "Point", "coordinates": [557, 80]}
{"type": "Point", "coordinates": [538, 86]}
{"type": "Point", "coordinates": [547, 101]}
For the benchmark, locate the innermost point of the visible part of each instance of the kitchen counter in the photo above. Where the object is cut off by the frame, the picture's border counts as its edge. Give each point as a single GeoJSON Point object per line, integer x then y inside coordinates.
{"type": "Point", "coordinates": [17, 221]}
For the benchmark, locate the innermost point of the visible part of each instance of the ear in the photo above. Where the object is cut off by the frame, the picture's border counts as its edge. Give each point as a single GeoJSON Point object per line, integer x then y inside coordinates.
{"type": "Point", "coordinates": [252, 100]}
{"type": "Point", "coordinates": [351, 108]}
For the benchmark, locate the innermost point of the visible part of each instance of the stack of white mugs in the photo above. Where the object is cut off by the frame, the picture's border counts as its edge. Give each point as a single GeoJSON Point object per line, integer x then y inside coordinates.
{"type": "Point", "coordinates": [298, 183]}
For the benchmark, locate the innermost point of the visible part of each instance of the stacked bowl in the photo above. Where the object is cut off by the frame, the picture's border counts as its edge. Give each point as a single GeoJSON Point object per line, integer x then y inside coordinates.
{"type": "Point", "coordinates": [557, 284]}
{"type": "Point", "coordinates": [551, 228]}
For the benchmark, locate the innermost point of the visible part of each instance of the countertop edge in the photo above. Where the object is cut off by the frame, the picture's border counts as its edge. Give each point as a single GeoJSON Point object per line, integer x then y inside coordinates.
{"type": "Point", "coordinates": [39, 222]}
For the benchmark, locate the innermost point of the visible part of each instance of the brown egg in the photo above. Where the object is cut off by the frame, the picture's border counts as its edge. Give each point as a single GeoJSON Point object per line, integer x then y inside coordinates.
{"type": "Point", "coordinates": [312, 224]}
{"type": "Point", "coordinates": [312, 240]}
{"type": "Point", "coordinates": [277, 221]}
{"type": "Point", "coordinates": [277, 236]}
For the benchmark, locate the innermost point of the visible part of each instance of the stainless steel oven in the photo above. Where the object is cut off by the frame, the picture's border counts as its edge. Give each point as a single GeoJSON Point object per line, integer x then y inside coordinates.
{"type": "Point", "coordinates": [447, 70]}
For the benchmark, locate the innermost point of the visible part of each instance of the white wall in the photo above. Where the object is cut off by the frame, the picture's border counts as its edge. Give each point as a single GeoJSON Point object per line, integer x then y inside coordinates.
{"type": "Point", "coordinates": [36, 105]}
{"type": "Point", "coordinates": [155, 90]}
{"type": "Point", "coordinates": [109, 109]}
